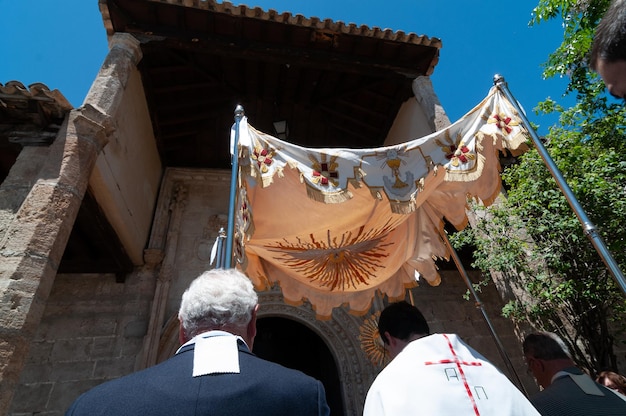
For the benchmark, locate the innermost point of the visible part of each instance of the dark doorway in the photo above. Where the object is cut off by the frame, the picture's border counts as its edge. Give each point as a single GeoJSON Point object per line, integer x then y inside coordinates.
{"type": "Point", "coordinates": [293, 345]}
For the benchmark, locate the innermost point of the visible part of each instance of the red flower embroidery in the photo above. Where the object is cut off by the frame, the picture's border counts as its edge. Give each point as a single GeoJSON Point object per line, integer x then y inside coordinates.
{"type": "Point", "coordinates": [319, 178]}
{"type": "Point", "coordinates": [462, 154]}
{"type": "Point", "coordinates": [263, 158]}
{"type": "Point", "coordinates": [503, 122]}
{"type": "Point", "coordinates": [324, 170]}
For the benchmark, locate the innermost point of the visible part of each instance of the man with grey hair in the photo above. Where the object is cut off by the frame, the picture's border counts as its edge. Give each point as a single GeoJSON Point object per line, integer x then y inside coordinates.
{"type": "Point", "coordinates": [214, 372]}
{"type": "Point", "coordinates": [567, 391]}
{"type": "Point", "coordinates": [608, 52]}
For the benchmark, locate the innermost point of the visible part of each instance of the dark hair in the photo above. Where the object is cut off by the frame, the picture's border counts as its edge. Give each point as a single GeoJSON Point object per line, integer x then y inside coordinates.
{"type": "Point", "coordinates": [609, 41]}
{"type": "Point", "coordinates": [618, 380]}
{"type": "Point", "coordinates": [402, 320]}
{"type": "Point", "coordinates": [545, 346]}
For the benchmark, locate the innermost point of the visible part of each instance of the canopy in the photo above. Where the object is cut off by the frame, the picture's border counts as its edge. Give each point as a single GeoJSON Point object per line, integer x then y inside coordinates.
{"type": "Point", "coordinates": [334, 226]}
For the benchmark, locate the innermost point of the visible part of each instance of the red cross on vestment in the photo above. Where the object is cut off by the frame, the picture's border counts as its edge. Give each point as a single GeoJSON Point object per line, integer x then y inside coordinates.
{"type": "Point", "coordinates": [459, 363]}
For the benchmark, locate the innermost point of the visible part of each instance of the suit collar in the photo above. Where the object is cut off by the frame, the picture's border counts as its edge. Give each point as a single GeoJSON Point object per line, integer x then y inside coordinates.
{"type": "Point", "coordinates": [189, 345]}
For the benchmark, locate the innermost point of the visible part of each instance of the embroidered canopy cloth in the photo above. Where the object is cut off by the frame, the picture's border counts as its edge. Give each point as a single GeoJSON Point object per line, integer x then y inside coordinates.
{"type": "Point", "coordinates": [334, 226]}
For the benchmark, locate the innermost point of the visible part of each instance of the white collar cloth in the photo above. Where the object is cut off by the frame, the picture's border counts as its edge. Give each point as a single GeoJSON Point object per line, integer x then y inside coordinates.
{"type": "Point", "coordinates": [215, 352]}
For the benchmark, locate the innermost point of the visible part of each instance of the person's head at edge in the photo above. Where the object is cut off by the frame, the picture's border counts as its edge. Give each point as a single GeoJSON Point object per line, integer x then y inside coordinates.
{"type": "Point", "coordinates": [613, 381]}
{"type": "Point", "coordinates": [608, 52]}
{"type": "Point", "coordinates": [399, 324]}
{"type": "Point", "coordinates": [546, 355]}
{"type": "Point", "coordinates": [219, 299]}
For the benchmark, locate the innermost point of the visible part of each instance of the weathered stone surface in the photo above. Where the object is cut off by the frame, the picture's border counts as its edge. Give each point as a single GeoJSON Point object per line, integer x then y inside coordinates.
{"type": "Point", "coordinates": [33, 240]}
{"type": "Point", "coordinates": [14, 189]}
{"type": "Point", "coordinates": [85, 338]}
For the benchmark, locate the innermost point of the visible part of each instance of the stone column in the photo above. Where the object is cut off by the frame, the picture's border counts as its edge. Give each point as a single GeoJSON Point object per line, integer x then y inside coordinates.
{"type": "Point", "coordinates": [33, 241]}
{"type": "Point", "coordinates": [167, 258]}
{"type": "Point", "coordinates": [19, 182]}
{"type": "Point", "coordinates": [425, 95]}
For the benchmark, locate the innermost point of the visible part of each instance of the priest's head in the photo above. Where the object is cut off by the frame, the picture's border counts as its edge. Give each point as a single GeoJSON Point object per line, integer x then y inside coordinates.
{"type": "Point", "coordinates": [219, 299]}
{"type": "Point", "coordinates": [399, 324]}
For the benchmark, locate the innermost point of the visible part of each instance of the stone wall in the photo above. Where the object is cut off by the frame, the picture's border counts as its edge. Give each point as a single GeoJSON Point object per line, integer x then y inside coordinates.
{"type": "Point", "coordinates": [95, 329]}
{"type": "Point", "coordinates": [92, 331]}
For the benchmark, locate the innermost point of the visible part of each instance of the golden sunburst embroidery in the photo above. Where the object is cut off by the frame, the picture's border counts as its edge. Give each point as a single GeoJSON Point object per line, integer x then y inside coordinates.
{"type": "Point", "coordinates": [371, 343]}
{"type": "Point", "coordinates": [339, 263]}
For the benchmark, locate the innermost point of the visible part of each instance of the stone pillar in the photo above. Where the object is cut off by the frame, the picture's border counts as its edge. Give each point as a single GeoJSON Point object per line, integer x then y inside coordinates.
{"type": "Point", "coordinates": [18, 183]}
{"type": "Point", "coordinates": [34, 240]}
{"type": "Point", "coordinates": [425, 95]}
{"type": "Point", "coordinates": [167, 259]}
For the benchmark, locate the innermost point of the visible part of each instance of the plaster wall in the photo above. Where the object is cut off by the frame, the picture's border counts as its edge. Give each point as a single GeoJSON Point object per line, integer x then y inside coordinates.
{"type": "Point", "coordinates": [419, 116]}
{"type": "Point", "coordinates": [411, 123]}
{"type": "Point", "coordinates": [128, 171]}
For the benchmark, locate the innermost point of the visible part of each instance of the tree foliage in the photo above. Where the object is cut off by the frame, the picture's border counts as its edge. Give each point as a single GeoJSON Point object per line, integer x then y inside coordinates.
{"type": "Point", "coordinates": [534, 235]}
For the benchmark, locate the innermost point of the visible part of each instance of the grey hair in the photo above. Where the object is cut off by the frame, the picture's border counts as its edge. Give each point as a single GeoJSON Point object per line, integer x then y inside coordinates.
{"type": "Point", "coordinates": [545, 346]}
{"type": "Point", "coordinates": [216, 299]}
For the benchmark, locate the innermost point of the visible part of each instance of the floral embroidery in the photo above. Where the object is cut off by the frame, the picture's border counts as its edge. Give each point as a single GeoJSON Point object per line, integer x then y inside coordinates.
{"type": "Point", "coordinates": [503, 122]}
{"type": "Point", "coordinates": [263, 158]}
{"type": "Point", "coordinates": [462, 154]}
{"type": "Point", "coordinates": [324, 172]}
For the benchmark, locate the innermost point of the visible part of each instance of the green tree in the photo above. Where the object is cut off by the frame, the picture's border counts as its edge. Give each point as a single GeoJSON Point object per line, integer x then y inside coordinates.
{"type": "Point", "coordinates": [534, 236]}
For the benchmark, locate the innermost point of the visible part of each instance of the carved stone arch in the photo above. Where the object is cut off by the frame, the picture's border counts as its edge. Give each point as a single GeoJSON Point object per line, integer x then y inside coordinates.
{"type": "Point", "coordinates": [169, 342]}
{"type": "Point", "coordinates": [341, 336]}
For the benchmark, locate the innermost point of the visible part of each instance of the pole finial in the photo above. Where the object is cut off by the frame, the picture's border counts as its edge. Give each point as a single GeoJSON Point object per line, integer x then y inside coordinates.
{"type": "Point", "coordinates": [239, 113]}
{"type": "Point", "coordinates": [498, 79]}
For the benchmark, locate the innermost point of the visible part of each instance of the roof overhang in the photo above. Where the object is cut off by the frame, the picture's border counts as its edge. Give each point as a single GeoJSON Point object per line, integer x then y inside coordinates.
{"type": "Point", "coordinates": [335, 84]}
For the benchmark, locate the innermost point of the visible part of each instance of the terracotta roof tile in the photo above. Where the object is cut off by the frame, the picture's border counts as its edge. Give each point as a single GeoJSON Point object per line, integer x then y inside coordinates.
{"type": "Point", "coordinates": [289, 18]}
{"type": "Point", "coordinates": [33, 114]}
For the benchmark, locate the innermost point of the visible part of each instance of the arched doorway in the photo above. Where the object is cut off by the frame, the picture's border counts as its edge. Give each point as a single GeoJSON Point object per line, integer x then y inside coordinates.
{"type": "Point", "coordinates": [293, 345]}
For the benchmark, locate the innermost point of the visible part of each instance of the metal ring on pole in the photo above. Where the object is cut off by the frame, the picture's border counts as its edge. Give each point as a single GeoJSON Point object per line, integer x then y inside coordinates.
{"type": "Point", "coordinates": [588, 227]}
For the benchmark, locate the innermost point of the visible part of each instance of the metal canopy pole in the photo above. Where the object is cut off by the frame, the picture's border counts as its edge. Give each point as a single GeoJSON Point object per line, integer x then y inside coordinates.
{"type": "Point", "coordinates": [479, 305]}
{"type": "Point", "coordinates": [228, 252]}
{"type": "Point", "coordinates": [588, 227]}
{"type": "Point", "coordinates": [219, 249]}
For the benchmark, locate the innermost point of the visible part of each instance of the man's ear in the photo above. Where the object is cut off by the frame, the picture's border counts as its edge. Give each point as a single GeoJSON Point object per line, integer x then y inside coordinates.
{"type": "Point", "coordinates": [182, 338]}
{"type": "Point", "coordinates": [383, 337]}
{"type": "Point", "coordinates": [251, 328]}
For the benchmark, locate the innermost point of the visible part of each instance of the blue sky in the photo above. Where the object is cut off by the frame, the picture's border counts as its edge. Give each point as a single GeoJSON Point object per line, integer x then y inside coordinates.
{"type": "Point", "coordinates": [63, 43]}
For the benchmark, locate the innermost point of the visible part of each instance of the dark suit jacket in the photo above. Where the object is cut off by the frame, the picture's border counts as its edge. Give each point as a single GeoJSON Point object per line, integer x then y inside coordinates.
{"type": "Point", "coordinates": [261, 388]}
{"type": "Point", "coordinates": [564, 398]}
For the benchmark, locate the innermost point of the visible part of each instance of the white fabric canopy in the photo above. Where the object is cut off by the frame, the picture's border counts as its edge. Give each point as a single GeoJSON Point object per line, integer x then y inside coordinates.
{"type": "Point", "coordinates": [333, 226]}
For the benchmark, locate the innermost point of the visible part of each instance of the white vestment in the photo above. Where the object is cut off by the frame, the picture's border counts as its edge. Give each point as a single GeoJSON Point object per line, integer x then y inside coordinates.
{"type": "Point", "coordinates": [441, 375]}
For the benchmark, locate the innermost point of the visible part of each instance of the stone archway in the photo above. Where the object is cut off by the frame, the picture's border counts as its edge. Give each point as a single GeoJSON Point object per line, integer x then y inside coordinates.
{"type": "Point", "coordinates": [293, 345]}
{"type": "Point", "coordinates": [340, 335]}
